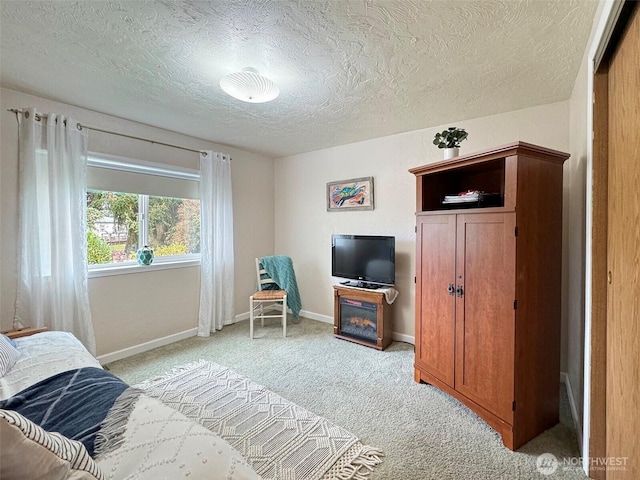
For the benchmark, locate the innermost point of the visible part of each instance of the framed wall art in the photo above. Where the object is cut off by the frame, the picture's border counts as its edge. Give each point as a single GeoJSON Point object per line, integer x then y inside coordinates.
{"type": "Point", "coordinates": [353, 194]}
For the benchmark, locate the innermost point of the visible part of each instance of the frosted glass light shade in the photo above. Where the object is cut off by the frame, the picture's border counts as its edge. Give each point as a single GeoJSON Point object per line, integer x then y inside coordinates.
{"type": "Point", "coordinates": [249, 86]}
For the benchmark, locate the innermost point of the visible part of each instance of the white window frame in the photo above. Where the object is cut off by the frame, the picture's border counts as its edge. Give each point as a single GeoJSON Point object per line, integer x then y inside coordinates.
{"type": "Point", "coordinates": [148, 168]}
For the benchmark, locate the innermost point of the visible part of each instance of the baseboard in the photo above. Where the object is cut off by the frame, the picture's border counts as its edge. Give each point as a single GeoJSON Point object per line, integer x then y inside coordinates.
{"type": "Point", "coordinates": [316, 316]}
{"type": "Point", "coordinates": [401, 337]}
{"type": "Point", "coordinates": [303, 313]}
{"type": "Point", "coordinates": [143, 347]}
{"type": "Point", "coordinates": [577, 423]}
{"type": "Point", "coordinates": [160, 342]}
{"type": "Point", "coordinates": [398, 337]}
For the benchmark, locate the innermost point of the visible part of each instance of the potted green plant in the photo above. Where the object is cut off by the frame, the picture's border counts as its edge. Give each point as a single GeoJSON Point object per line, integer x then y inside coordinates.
{"type": "Point", "coordinates": [449, 140]}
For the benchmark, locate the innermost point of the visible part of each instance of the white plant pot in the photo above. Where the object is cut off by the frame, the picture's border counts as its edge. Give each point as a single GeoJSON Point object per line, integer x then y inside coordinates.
{"type": "Point", "coordinates": [451, 152]}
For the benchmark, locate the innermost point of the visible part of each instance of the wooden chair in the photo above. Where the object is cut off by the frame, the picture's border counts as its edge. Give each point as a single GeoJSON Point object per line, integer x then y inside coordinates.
{"type": "Point", "coordinates": [266, 297]}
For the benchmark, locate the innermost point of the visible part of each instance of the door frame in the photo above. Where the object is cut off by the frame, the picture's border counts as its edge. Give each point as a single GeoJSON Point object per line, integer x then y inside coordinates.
{"type": "Point", "coordinates": [604, 41]}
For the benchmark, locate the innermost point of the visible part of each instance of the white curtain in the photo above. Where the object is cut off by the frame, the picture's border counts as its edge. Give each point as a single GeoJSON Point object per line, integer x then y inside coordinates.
{"type": "Point", "coordinates": [52, 245]}
{"type": "Point", "coordinates": [216, 243]}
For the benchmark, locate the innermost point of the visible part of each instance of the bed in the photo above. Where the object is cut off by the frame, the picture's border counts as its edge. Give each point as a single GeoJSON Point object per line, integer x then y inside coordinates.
{"type": "Point", "coordinates": [63, 416]}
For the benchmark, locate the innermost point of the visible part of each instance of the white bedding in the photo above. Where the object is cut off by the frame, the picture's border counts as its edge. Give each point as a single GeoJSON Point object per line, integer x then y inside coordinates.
{"type": "Point", "coordinates": [41, 356]}
{"type": "Point", "coordinates": [159, 442]}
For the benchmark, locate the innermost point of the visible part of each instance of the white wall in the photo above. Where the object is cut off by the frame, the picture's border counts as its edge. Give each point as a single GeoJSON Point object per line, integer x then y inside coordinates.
{"type": "Point", "coordinates": [304, 227]}
{"type": "Point", "coordinates": [574, 251]}
{"type": "Point", "coordinates": [170, 305]}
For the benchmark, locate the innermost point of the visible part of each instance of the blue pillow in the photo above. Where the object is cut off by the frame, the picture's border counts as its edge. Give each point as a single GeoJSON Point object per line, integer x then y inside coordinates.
{"type": "Point", "coordinates": [8, 355]}
{"type": "Point", "coordinates": [10, 340]}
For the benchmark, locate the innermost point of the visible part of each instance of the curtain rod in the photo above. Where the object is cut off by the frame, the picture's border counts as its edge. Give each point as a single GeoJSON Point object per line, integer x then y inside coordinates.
{"type": "Point", "coordinates": [80, 127]}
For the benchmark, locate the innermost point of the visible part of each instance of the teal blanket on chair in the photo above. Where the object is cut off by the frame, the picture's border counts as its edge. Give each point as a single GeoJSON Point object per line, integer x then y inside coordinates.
{"type": "Point", "coordinates": [280, 269]}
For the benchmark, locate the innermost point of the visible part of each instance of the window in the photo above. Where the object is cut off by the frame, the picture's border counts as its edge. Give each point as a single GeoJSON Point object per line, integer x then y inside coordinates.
{"type": "Point", "coordinates": [120, 222]}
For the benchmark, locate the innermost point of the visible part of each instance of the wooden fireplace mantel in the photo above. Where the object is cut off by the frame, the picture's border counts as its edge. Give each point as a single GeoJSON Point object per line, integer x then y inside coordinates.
{"type": "Point", "coordinates": [384, 318]}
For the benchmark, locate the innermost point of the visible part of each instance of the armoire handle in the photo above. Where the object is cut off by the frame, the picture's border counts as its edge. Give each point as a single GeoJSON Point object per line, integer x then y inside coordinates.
{"type": "Point", "coordinates": [450, 289]}
{"type": "Point", "coordinates": [459, 291]}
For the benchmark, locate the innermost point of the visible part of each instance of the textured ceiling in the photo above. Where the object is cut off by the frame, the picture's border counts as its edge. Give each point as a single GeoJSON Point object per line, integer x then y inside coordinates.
{"type": "Point", "coordinates": [347, 70]}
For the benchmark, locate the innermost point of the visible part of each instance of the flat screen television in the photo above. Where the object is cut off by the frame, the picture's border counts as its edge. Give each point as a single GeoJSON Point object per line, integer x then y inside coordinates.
{"type": "Point", "coordinates": [368, 259]}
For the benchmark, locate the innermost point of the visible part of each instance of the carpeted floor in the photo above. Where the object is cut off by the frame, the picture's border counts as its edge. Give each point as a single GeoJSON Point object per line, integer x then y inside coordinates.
{"type": "Point", "coordinates": [424, 433]}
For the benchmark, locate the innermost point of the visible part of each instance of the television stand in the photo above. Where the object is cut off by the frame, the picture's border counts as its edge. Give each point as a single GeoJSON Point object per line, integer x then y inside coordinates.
{"type": "Point", "coordinates": [362, 317]}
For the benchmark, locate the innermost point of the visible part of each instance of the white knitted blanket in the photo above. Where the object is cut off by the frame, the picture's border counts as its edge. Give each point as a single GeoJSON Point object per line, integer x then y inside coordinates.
{"type": "Point", "coordinates": [279, 439]}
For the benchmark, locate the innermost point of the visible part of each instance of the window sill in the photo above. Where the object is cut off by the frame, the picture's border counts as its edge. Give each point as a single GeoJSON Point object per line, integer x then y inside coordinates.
{"type": "Point", "coordinates": [132, 267]}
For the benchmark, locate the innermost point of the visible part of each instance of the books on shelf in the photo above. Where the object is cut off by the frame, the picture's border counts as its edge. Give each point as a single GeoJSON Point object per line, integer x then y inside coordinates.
{"type": "Point", "coordinates": [471, 197]}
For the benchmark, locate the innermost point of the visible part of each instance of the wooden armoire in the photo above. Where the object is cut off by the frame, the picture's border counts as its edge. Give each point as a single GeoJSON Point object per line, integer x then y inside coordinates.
{"type": "Point", "coordinates": [488, 285]}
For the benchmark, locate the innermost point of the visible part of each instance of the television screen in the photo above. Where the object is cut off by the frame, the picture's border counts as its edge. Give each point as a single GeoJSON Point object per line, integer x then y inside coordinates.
{"type": "Point", "coordinates": [368, 259]}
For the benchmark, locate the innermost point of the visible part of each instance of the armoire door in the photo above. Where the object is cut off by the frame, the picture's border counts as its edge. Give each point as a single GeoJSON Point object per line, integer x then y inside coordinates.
{"type": "Point", "coordinates": [435, 271]}
{"type": "Point", "coordinates": [485, 315]}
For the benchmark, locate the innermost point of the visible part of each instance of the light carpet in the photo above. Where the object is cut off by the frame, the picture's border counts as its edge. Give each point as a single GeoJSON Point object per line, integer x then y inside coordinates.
{"type": "Point", "coordinates": [279, 439]}
{"type": "Point", "coordinates": [424, 433]}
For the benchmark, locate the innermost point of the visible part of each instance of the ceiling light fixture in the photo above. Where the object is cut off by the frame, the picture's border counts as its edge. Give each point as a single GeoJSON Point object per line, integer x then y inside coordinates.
{"type": "Point", "coordinates": [249, 86]}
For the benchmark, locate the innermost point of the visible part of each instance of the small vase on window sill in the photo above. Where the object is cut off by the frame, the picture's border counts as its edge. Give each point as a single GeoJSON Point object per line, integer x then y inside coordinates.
{"type": "Point", "coordinates": [144, 255]}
